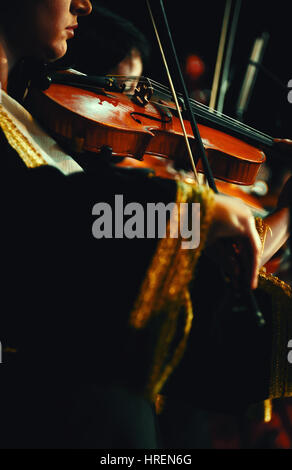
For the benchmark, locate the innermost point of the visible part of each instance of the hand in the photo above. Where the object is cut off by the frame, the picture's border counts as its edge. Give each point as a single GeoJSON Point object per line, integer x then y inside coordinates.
{"type": "Point", "coordinates": [233, 223]}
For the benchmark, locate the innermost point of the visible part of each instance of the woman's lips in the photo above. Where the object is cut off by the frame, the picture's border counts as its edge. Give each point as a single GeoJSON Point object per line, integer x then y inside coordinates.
{"type": "Point", "coordinates": [71, 29]}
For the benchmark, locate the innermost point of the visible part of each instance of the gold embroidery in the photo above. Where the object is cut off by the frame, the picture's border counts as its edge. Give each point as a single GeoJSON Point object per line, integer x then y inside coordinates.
{"type": "Point", "coordinates": [159, 376]}
{"type": "Point", "coordinates": [10, 350]}
{"type": "Point", "coordinates": [263, 228]}
{"type": "Point", "coordinates": [268, 411]}
{"type": "Point", "coordinates": [170, 267]}
{"type": "Point", "coordinates": [159, 404]}
{"type": "Point", "coordinates": [281, 298]}
{"type": "Point", "coordinates": [19, 142]}
{"type": "Point", "coordinates": [165, 287]}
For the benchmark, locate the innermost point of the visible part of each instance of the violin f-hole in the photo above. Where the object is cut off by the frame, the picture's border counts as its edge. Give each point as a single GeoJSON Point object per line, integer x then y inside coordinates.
{"type": "Point", "coordinates": [153, 118]}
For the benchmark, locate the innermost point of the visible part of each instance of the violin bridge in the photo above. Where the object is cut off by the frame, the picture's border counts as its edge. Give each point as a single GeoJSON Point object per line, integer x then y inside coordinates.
{"type": "Point", "coordinates": [143, 92]}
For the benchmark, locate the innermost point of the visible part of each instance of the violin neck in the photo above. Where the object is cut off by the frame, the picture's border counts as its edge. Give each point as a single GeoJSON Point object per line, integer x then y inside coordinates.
{"type": "Point", "coordinates": [233, 127]}
{"type": "Point", "coordinates": [218, 120]}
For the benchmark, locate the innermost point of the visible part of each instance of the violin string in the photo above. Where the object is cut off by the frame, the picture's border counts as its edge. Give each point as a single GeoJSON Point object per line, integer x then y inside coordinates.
{"type": "Point", "coordinates": [232, 120]}
{"type": "Point", "coordinates": [250, 131]}
{"type": "Point", "coordinates": [205, 108]}
{"type": "Point", "coordinates": [213, 116]}
{"type": "Point", "coordinates": [223, 117]}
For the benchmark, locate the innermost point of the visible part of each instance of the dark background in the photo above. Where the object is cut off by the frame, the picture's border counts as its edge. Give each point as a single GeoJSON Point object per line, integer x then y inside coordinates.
{"type": "Point", "coordinates": [196, 28]}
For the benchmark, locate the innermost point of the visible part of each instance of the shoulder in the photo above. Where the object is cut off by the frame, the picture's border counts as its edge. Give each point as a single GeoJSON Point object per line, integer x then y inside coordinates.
{"type": "Point", "coordinates": [107, 180]}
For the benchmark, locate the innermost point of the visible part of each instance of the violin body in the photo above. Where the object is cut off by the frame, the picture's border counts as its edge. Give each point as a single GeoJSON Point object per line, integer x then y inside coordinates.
{"type": "Point", "coordinates": [87, 120]}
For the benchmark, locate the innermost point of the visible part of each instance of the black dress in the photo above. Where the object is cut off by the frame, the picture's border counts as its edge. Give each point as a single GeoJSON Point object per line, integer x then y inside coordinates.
{"type": "Point", "coordinates": [77, 372]}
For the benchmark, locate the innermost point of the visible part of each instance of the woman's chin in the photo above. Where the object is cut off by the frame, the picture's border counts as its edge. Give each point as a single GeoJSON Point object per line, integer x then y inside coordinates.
{"type": "Point", "coordinates": [55, 52]}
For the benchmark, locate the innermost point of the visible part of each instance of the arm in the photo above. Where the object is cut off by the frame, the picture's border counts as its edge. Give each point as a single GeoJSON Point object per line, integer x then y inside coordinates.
{"type": "Point", "coordinates": [277, 233]}
{"type": "Point", "coordinates": [234, 222]}
{"type": "Point", "coordinates": [279, 222]}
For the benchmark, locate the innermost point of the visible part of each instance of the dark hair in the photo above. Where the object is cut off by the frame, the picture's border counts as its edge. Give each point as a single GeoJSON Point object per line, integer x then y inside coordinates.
{"type": "Point", "coordinates": [102, 41]}
{"type": "Point", "coordinates": [9, 14]}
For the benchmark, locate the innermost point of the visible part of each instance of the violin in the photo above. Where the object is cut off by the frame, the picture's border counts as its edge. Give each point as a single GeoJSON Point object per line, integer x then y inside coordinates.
{"type": "Point", "coordinates": [87, 113]}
